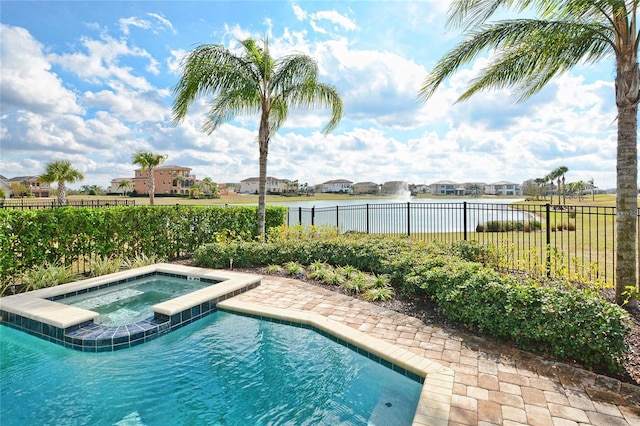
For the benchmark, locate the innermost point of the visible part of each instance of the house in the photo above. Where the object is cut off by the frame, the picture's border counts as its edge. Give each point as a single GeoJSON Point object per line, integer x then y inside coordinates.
{"type": "Point", "coordinates": [444, 187]}
{"type": "Point", "coordinates": [30, 185]}
{"type": "Point", "coordinates": [273, 185]}
{"type": "Point", "coordinates": [117, 188]}
{"type": "Point", "coordinates": [365, 188]}
{"type": "Point", "coordinates": [472, 188]}
{"type": "Point", "coordinates": [228, 188]}
{"type": "Point", "coordinates": [503, 188]}
{"type": "Point", "coordinates": [395, 187]}
{"type": "Point", "coordinates": [342, 186]}
{"type": "Point", "coordinates": [420, 188]}
{"type": "Point", "coordinates": [169, 179]}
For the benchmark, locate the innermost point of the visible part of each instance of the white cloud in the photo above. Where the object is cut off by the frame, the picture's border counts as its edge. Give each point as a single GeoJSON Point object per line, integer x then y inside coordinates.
{"type": "Point", "coordinates": [102, 62]}
{"type": "Point", "coordinates": [26, 81]}
{"type": "Point", "coordinates": [161, 23]}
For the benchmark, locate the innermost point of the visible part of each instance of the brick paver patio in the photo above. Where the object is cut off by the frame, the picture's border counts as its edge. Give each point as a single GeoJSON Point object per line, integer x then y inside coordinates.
{"type": "Point", "coordinates": [493, 384]}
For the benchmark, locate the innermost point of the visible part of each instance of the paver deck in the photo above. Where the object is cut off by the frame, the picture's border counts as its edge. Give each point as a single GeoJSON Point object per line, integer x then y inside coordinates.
{"type": "Point", "coordinates": [493, 384]}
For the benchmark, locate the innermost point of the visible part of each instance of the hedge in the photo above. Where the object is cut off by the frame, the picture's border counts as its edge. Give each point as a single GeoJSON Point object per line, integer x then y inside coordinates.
{"type": "Point", "coordinates": [66, 235]}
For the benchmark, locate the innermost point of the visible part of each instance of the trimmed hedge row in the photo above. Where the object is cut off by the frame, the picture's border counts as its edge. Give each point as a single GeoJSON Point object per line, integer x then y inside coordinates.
{"type": "Point", "coordinates": [67, 235]}
{"type": "Point", "coordinates": [565, 324]}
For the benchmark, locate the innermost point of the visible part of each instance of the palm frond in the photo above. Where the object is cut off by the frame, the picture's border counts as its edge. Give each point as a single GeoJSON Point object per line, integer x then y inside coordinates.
{"type": "Point", "coordinates": [207, 71]}
{"type": "Point", "coordinates": [529, 53]}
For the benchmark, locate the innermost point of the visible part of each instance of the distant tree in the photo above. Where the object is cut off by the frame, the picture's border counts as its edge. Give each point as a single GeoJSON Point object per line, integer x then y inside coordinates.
{"type": "Point", "coordinates": [125, 185]}
{"type": "Point", "coordinates": [19, 190]}
{"type": "Point", "coordinates": [196, 190]}
{"type": "Point", "coordinates": [148, 161]}
{"type": "Point", "coordinates": [62, 172]}
{"type": "Point", "coordinates": [593, 189]}
{"type": "Point", "coordinates": [253, 82]}
{"type": "Point", "coordinates": [475, 189]}
{"type": "Point", "coordinates": [3, 194]}
{"type": "Point", "coordinates": [210, 188]}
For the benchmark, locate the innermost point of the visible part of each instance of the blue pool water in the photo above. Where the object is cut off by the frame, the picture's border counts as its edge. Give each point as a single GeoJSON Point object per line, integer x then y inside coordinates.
{"type": "Point", "coordinates": [131, 302]}
{"type": "Point", "coordinates": [224, 369]}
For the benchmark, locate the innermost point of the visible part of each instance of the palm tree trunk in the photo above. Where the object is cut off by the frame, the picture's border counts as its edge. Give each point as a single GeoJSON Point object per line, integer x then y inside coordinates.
{"type": "Point", "coordinates": [152, 188]}
{"type": "Point", "coordinates": [627, 201]}
{"type": "Point", "coordinates": [62, 192]}
{"type": "Point", "coordinates": [263, 140]}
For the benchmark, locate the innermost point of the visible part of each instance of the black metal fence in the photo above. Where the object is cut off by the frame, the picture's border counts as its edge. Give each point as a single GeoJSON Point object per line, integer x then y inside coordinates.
{"type": "Point", "coordinates": [32, 204]}
{"type": "Point", "coordinates": [571, 242]}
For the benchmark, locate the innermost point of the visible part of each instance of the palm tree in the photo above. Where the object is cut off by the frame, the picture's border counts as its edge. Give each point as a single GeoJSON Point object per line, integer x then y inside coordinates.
{"type": "Point", "coordinates": [125, 185]}
{"type": "Point", "coordinates": [180, 181]}
{"type": "Point", "coordinates": [529, 52]}
{"type": "Point", "coordinates": [593, 189]}
{"type": "Point", "coordinates": [149, 161]}
{"type": "Point", "coordinates": [196, 190]}
{"type": "Point", "coordinates": [210, 187]}
{"type": "Point", "coordinates": [62, 172]}
{"type": "Point", "coordinates": [541, 182]}
{"type": "Point", "coordinates": [253, 82]}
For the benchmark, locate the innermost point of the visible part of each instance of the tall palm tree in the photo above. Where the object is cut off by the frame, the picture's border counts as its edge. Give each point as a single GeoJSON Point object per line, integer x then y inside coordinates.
{"type": "Point", "coordinates": [529, 52]}
{"type": "Point", "coordinates": [147, 162]}
{"type": "Point", "coordinates": [593, 189]}
{"type": "Point", "coordinates": [62, 172]}
{"type": "Point", "coordinates": [253, 82]}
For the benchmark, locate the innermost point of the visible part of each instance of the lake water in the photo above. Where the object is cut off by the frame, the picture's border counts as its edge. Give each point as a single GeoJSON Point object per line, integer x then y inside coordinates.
{"type": "Point", "coordinates": [409, 216]}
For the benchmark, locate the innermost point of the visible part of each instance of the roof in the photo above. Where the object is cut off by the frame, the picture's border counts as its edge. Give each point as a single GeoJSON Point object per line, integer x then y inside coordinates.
{"type": "Point", "coordinates": [169, 167]}
{"type": "Point", "coordinates": [258, 179]}
{"type": "Point", "coordinates": [444, 182]}
{"type": "Point", "coordinates": [23, 178]}
{"type": "Point", "coordinates": [330, 182]}
{"type": "Point", "coordinates": [503, 182]}
{"type": "Point", "coordinates": [365, 183]}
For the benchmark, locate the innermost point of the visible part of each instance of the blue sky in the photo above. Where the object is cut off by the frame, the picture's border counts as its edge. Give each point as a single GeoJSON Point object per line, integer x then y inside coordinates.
{"type": "Point", "coordinates": [91, 82]}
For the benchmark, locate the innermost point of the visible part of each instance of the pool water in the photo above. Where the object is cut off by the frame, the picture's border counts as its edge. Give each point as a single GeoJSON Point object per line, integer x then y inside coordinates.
{"type": "Point", "coordinates": [129, 303]}
{"type": "Point", "coordinates": [224, 369]}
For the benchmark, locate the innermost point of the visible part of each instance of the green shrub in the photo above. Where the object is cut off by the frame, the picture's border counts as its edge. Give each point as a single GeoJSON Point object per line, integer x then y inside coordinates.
{"type": "Point", "coordinates": [47, 275]}
{"type": "Point", "coordinates": [565, 324]}
{"type": "Point", "coordinates": [509, 225]}
{"type": "Point", "coordinates": [66, 235]}
{"type": "Point", "coordinates": [141, 260]}
{"type": "Point", "coordinates": [103, 265]}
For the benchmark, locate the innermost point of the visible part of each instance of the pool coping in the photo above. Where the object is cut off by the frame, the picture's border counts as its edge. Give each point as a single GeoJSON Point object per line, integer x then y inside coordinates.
{"type": "Point", "coordinates": [40, 313]}
{"type": "Point", "coordinates": [437, 389]}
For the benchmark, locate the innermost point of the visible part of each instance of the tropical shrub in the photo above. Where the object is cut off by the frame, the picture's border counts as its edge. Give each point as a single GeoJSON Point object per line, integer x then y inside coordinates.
{"type": "Point", "coordinates": [47, 275]}
{"type": "Point", "coordinates": [568, 324]}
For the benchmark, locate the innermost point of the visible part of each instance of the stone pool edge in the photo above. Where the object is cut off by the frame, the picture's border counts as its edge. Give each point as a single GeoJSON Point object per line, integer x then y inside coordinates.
{"type": "Point", "coordinates": [437, 390]}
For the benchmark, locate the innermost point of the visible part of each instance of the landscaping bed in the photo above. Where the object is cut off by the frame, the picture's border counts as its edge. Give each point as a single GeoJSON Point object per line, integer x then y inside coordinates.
{"type": "Point", "coordinates": [448, 284]}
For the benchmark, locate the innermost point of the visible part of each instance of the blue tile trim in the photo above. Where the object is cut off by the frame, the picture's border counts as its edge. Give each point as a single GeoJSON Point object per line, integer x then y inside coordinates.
{"type": "Point", "coordinates": [92, 337]}
{"type": "Point", "coordinates": [363, 352]}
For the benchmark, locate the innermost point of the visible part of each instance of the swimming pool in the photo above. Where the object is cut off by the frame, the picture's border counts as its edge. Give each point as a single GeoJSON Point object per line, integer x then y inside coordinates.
{"type": "Point", "coordinates": [223, 369]}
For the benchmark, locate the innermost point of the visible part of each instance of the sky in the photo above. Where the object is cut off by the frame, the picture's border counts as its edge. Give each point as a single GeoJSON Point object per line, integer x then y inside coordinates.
{"type": "Point", "coordinates": [92, 82]}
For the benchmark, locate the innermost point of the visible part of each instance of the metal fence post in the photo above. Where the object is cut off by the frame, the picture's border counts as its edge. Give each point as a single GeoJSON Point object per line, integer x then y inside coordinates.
{"type": "Point", "coordinates": [408, 218]}
{"type": "Point", "coordinates": [367, 210]}
{"type": "Point", "coordinates": [300, 216]}
{"type": "Point", "coordinates": [464, 220]}
{"type": "Point", "coordinates": [337, 217]}
{"type": "Point", "coordinates": [313, 215]}
{"type": "Point", "coordinates": [548, 219]}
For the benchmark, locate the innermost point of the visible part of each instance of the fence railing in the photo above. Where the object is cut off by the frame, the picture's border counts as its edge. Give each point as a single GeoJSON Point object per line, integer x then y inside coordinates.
{"type": "Point", "coordinates": [32, 204]}
{"type": "Point", "coordinates": [574, 242]}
